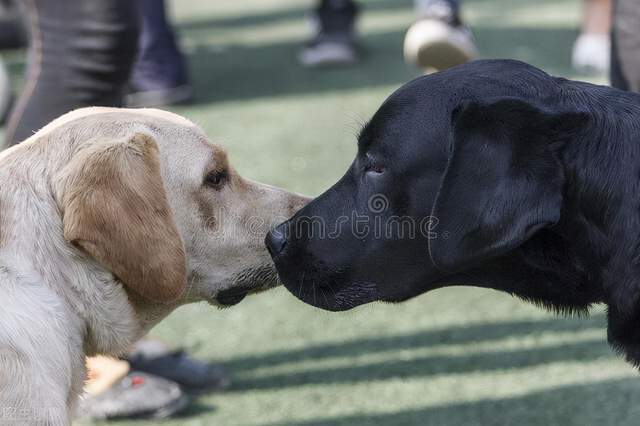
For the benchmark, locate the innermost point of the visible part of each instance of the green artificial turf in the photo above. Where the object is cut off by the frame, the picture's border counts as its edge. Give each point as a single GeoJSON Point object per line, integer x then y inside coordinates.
{"type": "Point", "coordinates": [459, 356]}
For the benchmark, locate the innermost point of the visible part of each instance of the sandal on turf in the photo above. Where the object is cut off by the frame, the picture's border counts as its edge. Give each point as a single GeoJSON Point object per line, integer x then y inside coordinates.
{"type": "Point", "coordinates": [137, 395]}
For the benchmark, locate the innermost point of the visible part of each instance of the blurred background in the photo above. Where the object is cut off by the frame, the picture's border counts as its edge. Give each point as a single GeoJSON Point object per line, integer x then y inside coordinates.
{"type": "Point", "coordinates": [458, 356]}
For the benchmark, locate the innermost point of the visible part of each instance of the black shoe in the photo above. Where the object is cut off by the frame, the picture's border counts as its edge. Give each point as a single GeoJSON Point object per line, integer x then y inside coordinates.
{"type": "Point", "coordinates": [194, 376]}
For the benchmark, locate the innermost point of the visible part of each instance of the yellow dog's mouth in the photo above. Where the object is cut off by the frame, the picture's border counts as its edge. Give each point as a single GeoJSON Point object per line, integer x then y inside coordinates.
{"type": "Point", "coordinates": [232, 296]}
{"type": "Point", "coordinates": [255, 280]}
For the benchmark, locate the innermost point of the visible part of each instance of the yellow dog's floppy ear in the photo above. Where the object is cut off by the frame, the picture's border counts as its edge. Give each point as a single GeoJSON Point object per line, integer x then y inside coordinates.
{"type": "Point", "coordinates": [115, 209]}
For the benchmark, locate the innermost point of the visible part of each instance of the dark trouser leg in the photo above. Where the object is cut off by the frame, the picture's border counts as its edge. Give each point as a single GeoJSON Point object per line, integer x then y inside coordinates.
{"type": "Point", "coordinates": [334, 38]}
{"type": "Point", "coordinates": [625, 57]}
{"type": "Point", "coordinates": [159, 59]}
{"type": "Point", "coordinates": [159, 76]}
{"type": "Point", "coordinates": [81, 53]}
{"type": "Point", "coordinates": [337, 16]}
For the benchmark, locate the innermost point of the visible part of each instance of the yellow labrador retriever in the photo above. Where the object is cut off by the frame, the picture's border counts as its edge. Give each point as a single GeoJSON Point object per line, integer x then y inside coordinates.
{"type": "Point", "coordinates": [110, 219]}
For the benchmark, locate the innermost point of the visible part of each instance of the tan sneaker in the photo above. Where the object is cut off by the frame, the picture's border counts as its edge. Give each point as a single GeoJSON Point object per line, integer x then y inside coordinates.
{"type": "Point", "coordinates": [434, 45]}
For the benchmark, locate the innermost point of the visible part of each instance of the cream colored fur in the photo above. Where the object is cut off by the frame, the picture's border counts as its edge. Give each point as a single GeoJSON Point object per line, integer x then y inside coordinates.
{"type": "Point", "coordinates": [106, 226]}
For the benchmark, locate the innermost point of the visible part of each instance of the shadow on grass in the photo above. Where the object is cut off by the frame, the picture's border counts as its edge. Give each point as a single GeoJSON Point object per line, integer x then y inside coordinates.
{"type": "Point", "coordinates": [606, 403]}
{"type": "Point", "coordinates": [428, 365]}
{"type": "Point", "coordinates": [453, 335]}
{"type": "Point", "coordinates": [432, 365]}
{"type": "Point", "coordinates": [246, 72]}
{"type": "Point", "coordinates": [196, 408]}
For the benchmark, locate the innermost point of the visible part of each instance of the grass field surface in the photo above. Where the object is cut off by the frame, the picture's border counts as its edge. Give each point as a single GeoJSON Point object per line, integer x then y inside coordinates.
{"type": "Point", "coordinates": [453, 357]}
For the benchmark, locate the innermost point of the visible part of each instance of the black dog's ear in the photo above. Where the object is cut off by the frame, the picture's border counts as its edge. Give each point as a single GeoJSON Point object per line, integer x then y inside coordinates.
{"type": "Point", "coordinates": [503, 181]}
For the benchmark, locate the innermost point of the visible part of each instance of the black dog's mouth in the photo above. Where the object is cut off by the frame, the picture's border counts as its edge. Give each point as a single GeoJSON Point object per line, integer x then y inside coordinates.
{"type": "Point", "coordinates": [325, 297]}
{"type": "Point", "coordinates": [329, 291]}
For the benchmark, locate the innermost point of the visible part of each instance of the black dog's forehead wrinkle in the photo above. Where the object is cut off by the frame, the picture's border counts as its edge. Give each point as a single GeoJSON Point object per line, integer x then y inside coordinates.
{"type": "Point", "coordinates": [426, 99]}
{"type": "Point", "coordinates": [387, 121]}
{"type": "Point", "coordinates": [416, 136]}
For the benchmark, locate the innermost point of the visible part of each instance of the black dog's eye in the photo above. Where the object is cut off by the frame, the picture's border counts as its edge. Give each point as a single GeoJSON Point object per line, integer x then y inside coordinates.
{"type": "Point", "coordinates": [215, 179]}
{"type": "Point", "coordinates": [374, 167]}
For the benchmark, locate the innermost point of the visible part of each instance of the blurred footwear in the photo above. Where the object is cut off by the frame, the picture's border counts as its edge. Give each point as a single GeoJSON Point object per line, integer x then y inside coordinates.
{"type": "Point", "coordinates": [334, 41]}
{"type": "Point", "coordinates": [159, 76]}
{"type": "Point", "coordinates": [592, 53]}
{"type": "Point", "coordinates": [154, 357]}
{"type": "Point", "coordinates": [137, 395]}
{"type": "Point", "coordinates": [435, 45]}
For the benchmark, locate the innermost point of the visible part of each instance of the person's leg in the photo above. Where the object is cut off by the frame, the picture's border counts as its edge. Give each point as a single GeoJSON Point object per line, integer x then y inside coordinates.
{"type": "Point", "coordinates": [334, 39]}
{"type": "Point", "coordinates": [618, 80]}
{"type": "Point", "coordinates": [81, 53]}
{"type": "Point", "coordinates": [159, 75]}
{"type": "Point", "coordinates": [592, 49]}
{"type": "Point", "coordinates": [625, 66]}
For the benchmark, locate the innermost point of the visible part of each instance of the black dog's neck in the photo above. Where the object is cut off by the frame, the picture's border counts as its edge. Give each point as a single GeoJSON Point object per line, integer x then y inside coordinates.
{"type": "Point", "coordinates": [544, 271]}
{"type": "Point", "coordinates": [601, 218]}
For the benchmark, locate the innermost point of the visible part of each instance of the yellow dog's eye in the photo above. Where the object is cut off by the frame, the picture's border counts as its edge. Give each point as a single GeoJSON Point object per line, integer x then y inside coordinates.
{"type": "Point", "coordinates": [215, 179]}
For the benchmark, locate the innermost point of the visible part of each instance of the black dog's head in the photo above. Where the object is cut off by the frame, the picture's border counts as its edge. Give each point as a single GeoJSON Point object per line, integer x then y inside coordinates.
{"type": "Point", "coordinates": [453, 170]}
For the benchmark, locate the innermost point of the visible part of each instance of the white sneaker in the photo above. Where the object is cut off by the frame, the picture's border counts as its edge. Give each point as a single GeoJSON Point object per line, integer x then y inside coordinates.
{"type": "Point", "coordinates": [433, 45]}
{"type": "Point", "coordinates": [592, 53]}
{"type": "Point", "coordinates": [328, 52]}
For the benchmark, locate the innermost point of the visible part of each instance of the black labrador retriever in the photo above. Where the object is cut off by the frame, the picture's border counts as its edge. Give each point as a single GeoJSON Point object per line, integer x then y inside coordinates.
{"type": "Point", "coordinates": [491, 174]}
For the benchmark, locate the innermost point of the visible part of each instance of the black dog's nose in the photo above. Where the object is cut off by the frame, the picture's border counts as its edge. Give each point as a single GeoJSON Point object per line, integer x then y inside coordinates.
{"type": "Point", "coordinates": [276, 240]}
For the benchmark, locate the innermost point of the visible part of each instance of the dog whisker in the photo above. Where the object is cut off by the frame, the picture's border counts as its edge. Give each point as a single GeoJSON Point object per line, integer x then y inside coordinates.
{"type": "Point", "coordinates": [314, 291]}
{"type": "Point", "coordinates": [324, 296]}
{"type": "Point", "coordinates": [333, 292]}
{"type": "Point", "coordinates": [301, 283]}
